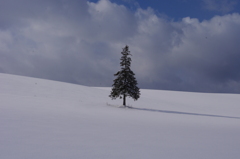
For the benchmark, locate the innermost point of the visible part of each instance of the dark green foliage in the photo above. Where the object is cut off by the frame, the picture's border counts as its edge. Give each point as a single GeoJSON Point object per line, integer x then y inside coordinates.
{"type": "Point", "coordinates": [125, 85]}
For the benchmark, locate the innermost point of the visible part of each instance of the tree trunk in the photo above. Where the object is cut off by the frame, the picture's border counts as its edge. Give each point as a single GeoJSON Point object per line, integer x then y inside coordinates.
{"type": "Point", "coordinates": [124, 100]}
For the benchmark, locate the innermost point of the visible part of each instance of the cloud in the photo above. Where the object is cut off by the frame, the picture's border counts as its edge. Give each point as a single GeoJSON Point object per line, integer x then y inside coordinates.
{"type": "Point", "coordinates": [81, 41]}
{"type": "Point", "coordinates": [209, 53]}
{"type": "Point", "coordinates": [223, 6]}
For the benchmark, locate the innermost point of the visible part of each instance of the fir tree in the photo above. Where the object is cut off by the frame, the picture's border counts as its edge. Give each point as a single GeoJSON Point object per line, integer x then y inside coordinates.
{"type": "Point", "coordinates": [125, 85]}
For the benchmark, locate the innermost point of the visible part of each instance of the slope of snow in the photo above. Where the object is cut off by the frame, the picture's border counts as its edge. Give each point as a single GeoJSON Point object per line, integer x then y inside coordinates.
{"type": "Point", "coordinates": [48, 119]}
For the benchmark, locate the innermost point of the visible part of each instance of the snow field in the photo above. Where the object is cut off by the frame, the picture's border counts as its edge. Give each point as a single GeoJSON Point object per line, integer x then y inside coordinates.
{"type": "Point", "coordinates": [48, 119]}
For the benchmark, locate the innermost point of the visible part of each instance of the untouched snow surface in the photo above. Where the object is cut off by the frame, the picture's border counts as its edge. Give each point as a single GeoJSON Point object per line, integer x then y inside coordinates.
{"type": "Point", "coordinates": [42, 119]}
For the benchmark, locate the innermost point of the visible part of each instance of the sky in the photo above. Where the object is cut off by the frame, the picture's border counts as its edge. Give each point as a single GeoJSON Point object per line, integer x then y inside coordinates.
{"type": "Point", "coordinates": [183, 45]}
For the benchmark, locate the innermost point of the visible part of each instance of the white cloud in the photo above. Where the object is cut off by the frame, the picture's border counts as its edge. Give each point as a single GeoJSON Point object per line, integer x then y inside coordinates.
{"type": "Point", "coordinates": [81, 42]}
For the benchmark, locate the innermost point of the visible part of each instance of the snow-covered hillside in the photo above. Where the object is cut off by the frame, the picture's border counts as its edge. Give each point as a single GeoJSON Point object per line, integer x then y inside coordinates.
{"type": "Point", "coordinates": [42, 119]}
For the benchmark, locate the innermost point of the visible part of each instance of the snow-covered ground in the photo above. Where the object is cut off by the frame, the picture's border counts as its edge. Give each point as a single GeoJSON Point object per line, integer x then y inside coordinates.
{"type": "Point", "coordinates": [42, 119]}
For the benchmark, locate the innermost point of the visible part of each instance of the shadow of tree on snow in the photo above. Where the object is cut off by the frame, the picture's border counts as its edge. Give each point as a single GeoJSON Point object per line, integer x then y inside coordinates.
{"type": "Point", "coordinates": [182, 113]}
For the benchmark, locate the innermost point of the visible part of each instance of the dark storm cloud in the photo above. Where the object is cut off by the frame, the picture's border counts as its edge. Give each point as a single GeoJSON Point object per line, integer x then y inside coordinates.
{"type": "Point", "coordinates": [80, 42]}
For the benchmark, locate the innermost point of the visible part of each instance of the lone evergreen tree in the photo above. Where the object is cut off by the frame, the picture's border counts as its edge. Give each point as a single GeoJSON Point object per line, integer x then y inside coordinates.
{"type": "Point", "coordinates": [125, 85]}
